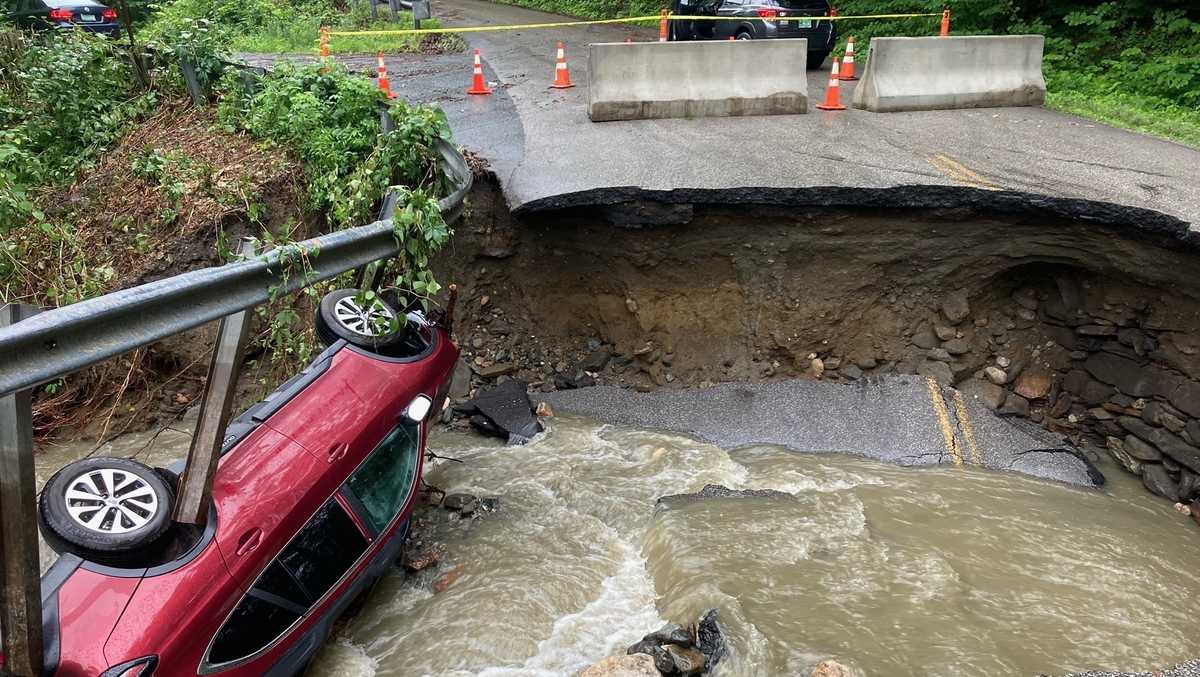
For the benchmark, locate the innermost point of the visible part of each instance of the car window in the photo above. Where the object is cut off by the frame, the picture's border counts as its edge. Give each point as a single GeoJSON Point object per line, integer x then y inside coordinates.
{"type": "Point", "coordinates": [324, 550]}
{"type": "Point", "coordinates": [316, 559]}
{"type": "Point", "coordinates": [384, 480]}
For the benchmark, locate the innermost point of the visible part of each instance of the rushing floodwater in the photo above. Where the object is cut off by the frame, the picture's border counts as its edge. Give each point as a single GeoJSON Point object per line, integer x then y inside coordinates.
{"type": "Point", "coordinates": [923, 572]}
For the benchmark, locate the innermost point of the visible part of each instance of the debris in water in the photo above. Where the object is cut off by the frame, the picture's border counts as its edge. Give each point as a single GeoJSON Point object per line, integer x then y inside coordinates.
{"type": "Point", "coordinates": [464, 504]}
{"type": "Point", "coordinates": [679, 651]}
{"type": "Point", "coordinates": [635, 665]}
{"type": "Point", "coordinates": [424, 559]}
{"type": "Point", "coordinates": [447, 579]}
{"type": "Point", "coordinates": [503, 411]}
{"type": "Point", "coordinates": [832, 668]}
{"type": "Point", "coordinates": [544, 410]}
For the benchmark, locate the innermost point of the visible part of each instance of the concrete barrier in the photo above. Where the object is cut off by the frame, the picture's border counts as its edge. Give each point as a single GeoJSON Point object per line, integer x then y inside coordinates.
{"type": "Point", "coordinates": [717, 78]}
{"type": "Point", "coordinates": [976, 71]}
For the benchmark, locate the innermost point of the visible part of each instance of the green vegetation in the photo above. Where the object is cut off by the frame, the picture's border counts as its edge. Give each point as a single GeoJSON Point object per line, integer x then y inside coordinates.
{"type": "Point", "coordinates": [290, 27]}
{"type": "Point", "coordinates": [1134, 63]}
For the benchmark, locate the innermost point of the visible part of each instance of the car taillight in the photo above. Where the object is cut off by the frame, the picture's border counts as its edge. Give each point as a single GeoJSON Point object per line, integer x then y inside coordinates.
{"type": "Point", "coordinates": [141, 667]}
{"type": "Point", "coordinates": [109, 14]}
{"type": "Point", "coordinates": [767, 13]}
{"type": "Point", "coordinates": [60, 15]}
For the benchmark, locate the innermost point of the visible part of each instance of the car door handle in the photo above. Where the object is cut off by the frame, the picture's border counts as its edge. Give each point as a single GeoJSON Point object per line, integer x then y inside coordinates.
{"type": "Point", "coordinates": [249, 541]}
{"type": "Point", "coordinates": [338, 451]}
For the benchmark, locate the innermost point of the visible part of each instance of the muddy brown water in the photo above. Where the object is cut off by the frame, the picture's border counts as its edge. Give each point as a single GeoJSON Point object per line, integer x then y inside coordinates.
{"type": "Point", "coordinates": [896, 571]}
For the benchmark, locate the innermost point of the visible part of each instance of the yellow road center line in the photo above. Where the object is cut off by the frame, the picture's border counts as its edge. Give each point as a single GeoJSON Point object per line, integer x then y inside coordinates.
{"type": "Point", "coordinates": [960, 172]}
{"type": "Point", "coordinates": [943, 416]}
{"type": "Point", "coordinates": [964, 422]}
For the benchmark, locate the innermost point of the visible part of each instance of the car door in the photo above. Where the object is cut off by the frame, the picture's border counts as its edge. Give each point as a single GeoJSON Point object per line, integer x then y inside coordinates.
{"type": "Point", "coordinates": [382, 487]}
{"type": "Point", "coordinates": [292, 587]}
{"type": "Point", "coordinates": [723, 30]}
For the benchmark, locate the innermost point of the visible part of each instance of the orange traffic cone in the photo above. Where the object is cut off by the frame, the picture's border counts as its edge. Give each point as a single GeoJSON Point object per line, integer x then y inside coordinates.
{"type": "Point", "coordinates": [562, 76]}
{"type": "Point", "coordinates": [662, 27]}
{"type": "Point", "coordinates": [832, 92]}
{"type": "Point", "coordinates": [848, 62]}
{"type": "Point", "coordinates": [945, 23]}
{"type": "Point", "coordinates": [324, 42]}
{"type": "Point", "coordinates": [478, 86]}
{"type": "Point", "coordinates": [384, 86]}
{"type": "Point", "coordinates": [628, 41]}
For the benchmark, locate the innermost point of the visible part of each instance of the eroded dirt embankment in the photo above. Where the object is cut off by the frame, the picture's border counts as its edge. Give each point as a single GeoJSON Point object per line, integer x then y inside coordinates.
{"type": "Point", "coordinates": [1092, 331]}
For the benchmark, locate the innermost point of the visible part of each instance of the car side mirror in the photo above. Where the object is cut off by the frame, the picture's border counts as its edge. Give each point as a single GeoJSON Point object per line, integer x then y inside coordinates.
{"type": "Point", "coordinates": [418, 409]}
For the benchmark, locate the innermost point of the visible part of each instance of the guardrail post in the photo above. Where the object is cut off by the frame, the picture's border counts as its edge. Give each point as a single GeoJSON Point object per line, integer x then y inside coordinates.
{"type": "Point", "coordinates": [195, 487]}
{"type": "Point", "coordinates": [21, 594]}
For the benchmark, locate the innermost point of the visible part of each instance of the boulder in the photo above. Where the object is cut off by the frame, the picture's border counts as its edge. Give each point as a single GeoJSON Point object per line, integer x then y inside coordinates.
{"type": "Point", "coordinates": [955, 306]}
{"type": "Point", "coordinates": [1186, 398]}
{"type": "Point", "coordinates": [1167, 442]}
{"type": "Point", "coordinates": [990, 394]}
{"type": "Point", "coordinates": [1116, 449]}
{"type": "Point", "coordinates": [634, 665]}
{"type": "Point", "coordinates": [832, 668]}
{"type": "Point", "coordinates": [1034, 383]}
{"type": "Point", "coordinates": [939, 371]}
{"type": "Point", "coordinates": [1158, 481]}
{"type": "Point", "coordinates": [507, 408]}
{"type": "Point", "coordinates": [1164, 415]}
{"type": "Point", "coordinates": [924, 338]}
{"type": "Point", "coordinates": [1192, 432]}
{"type": "Point", "coordinates": [1141, 450]}
{"type": "Point", "coordinates": [1126, 374]}
{"type": "Point", "coordinates": [597, 360]}
{"type": "Point", "coordinates": [465, 504]}
{"type": "Point", "coordinates": [1015, 405]}
{"type": "Point", "coordinates": [688, 661]}
{"type": "Point", "coordinates": [710, 638]}
{"type": "Point", "coordinates": [1189, 485]}
{"type": "Point", "coordinates": [957, 346]}
{"type": "Point", "coordinates": [671, 633]}
{"type": "Point", "coordinates": [996, 375]}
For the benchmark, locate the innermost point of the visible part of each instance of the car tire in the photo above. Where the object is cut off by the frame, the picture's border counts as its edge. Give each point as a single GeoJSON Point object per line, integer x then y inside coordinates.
{"type": "Point", "coordinates": [341, 315]}
{"type": "Point", "coordinates": [744, 35]}
{"type": "Point", "coordinates": [110, 529]}
{"type": "Point", "coordinates": [816, 60]}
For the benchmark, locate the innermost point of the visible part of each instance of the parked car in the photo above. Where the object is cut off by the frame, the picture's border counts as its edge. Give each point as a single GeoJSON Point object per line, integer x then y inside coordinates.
{"type": "Point", "coordinates": [758, 20]}
{"type": "Point", "coordinates": [310, 506]}
{"type": "Point", "coordinates": [66, 14]}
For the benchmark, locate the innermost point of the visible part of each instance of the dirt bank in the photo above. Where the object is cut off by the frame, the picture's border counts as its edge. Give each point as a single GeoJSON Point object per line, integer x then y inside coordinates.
{"type": "Point", "coordinates": [1091, 331]}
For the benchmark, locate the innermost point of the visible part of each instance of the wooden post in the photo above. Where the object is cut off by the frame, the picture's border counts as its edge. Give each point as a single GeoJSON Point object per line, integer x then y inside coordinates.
{"type": "Point", "coordinates": [21, 594]}
{"type": "Point", "coordinates": [195, 487]}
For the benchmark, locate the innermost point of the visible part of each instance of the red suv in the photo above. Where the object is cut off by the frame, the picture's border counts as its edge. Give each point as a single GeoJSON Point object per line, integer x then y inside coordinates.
{"type": "Point", "coordinates": [311, 502]}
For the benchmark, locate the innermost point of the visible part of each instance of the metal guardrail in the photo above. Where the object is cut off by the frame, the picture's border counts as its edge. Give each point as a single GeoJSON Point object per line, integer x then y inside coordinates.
{"type": "Point", "coordinates": [66, 339]}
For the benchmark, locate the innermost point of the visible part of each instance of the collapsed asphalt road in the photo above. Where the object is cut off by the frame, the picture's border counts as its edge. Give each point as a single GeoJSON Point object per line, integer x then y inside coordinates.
{"type": "Point", "coordinates": [908, 420]}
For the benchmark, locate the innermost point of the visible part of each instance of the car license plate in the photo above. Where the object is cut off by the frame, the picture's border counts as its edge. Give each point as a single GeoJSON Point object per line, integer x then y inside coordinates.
{"type": "Point", "coordinates": [89, 18]}
{"type": "Point", "coordinates": [805, 23]}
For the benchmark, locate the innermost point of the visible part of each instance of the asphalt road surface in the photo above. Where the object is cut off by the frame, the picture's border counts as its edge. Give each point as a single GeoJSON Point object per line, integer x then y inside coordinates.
{"type": "Point", "coordinates": [547, 153]}
{"type": "Point", "coordinates": [908, 420]}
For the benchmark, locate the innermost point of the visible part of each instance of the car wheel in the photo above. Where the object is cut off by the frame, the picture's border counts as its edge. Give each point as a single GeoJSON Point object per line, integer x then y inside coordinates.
{"type": "Point", "coordinates": [372, 324]}
{"type": "Point", "coordinates": [107, 510]}
{"type": "Point", "coordinates": [816, 60]}
{"type": "Point", "coordinates": [744, 35]}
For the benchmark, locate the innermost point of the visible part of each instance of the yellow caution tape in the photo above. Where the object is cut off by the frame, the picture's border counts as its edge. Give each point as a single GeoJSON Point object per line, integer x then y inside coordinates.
{"type": "Point", "coordinates": [632, 19]}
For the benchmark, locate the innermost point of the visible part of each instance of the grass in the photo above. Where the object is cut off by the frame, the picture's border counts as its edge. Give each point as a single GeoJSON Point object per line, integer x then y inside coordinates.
{"type": "Point", "coordinates": [299, 36]}
{"type": "Point", "coordinates": [1140, 114]}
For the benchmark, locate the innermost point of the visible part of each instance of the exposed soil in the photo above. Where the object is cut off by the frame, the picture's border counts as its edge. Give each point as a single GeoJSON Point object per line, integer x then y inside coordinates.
{"type": "Point", "coordinates": [745, 293]}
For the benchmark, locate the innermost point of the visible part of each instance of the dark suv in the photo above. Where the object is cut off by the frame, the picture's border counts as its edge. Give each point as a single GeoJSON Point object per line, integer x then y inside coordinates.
{"type": "Point", "coordinates": [757, 20]}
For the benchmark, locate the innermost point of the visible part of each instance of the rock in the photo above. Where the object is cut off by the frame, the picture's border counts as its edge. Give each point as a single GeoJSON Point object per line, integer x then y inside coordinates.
{"type": "Point", "coordinates": [688, 661]}
{"type": "Point", "coordinates": [1192, 432]}
{"type": "Point", "coordinates": [996, 375]}
{"type": "Point", "coordinates": [1116, 449]}
{"type": "Point", "coordinates": [1186, 398]}
{"type": "Point", "coordinates": [1163, 415]}
{"type": "Point", "coordinates": [544, 410]}
{"type": "Point", "coordinates": [1182, 509]}
{"type": "Point", "coordinates": [1003, 362]}
{"type": "Point", "coordinates": [635, 665]}
{"type": "Point", "coordinates": [991, 395]}
{"type": "Point", "coordinates": [447, 579]}
{"type": "Point", "coordinates": [477, 342]}
{"type": "Point", "coordinates": [564, 382]}
{"type": "Point", "coordinates": [939, 371]}
{"type": "Point", "coordinates": [944, 333]}
{"type": "Point", "coordinates": [1095, 392]}
{"type": "Point", "coordinates": [422, 559]}
{"type": "Point", "coordinates": [1158, 481]}
{"type": "Point", "coordinates": [507, 407]}
{"type": "Point", "coordinates": [1100, 414]}
{"type": "Point", "coordinates": [631, 305]}
{"type": "Point", "coordinates": [1075, 381]}
{"type": "Point", "coordinates": [955, 307]}
{"type": "Point", "coordinates": [832, 363]}
{"type": "Point", "coordinates": [939, 355]}
{"type": "Point", "coordinates": [817, 366]}
{"type": "Point", "coordinates": [1166, 441]}
{"type": "Point", "coordinates": [957, 346]}
{"type": "Point", "coordinates": [711, 491]}
{"type": "Point", "coordinates": [484, 301]}
{"type": "Point", "coordinates": [1127, 375]}
{"type": "Point", "coordinates": [671, 633]}
{"type": "Point", "coordinates": [1189, 485]}
{"type": "Point", "coordinates": [924, 338]}
{"type": "Point", "coordinates": [489, 504]}
{"type": "Point", "coordinates": [1171, 466]}
{"type": "Point", "coordinates": [710, 638]}
{"type": "Point", "coordinates": [1026, 297]}
{"type": "Point", "coordinates": [832, 668]}
{"type": "Point", "coordinates": [1034, 383]}
{"type": "Point", "coordinates": [851, 371]}
{"type": "Point", "coordinates": [596, 361]}
{"type": "Point", "coordinates": [464, 504]}
{"type": "Point", "coordinates": [1015, 405]}
{"type": "Point", "coordinates": [460, 381]}
{"type": "Point", "coordinates": [495, 370]}
{"type": "Point", "coordinates": [1096, 330]}
{"type": "Point", "coordinates": [1062, 406]}
{"type": "Point", "coordinates": [866, 362]}
{"type": "Point", "coordinates": [485, 426]}
{"type": "Point", "coordinates": [1140, 450]}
